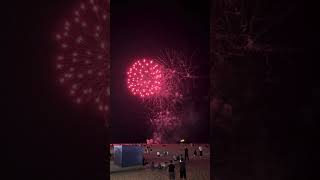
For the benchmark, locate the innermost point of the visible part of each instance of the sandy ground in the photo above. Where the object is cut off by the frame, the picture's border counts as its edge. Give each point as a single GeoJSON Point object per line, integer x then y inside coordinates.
{"type": "Point", "coordinates": [198, 168]}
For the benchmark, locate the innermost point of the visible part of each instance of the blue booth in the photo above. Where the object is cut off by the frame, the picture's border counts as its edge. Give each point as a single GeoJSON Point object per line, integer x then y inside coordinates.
{"type": "Point", "coordinates": [128, 155]}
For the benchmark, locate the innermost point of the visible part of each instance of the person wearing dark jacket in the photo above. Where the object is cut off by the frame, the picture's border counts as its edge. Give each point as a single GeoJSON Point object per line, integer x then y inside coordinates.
{"type": "Point", "coordinates": [183, 170]}
{"type": "Point", "coordinates": [186, 153]}
{"type": "Point", "coordinates": [172, 174]}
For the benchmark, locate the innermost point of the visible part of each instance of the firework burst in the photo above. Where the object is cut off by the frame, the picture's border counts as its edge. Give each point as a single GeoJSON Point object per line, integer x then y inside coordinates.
{"type": "Point", "coordinates": [165, 124]}
{"type": "Point", "coordinates": [144, 78]}
{"type": "Point", "coordinates": [82, 63]}
{"type": "Point", "coordinates": [161, 85]}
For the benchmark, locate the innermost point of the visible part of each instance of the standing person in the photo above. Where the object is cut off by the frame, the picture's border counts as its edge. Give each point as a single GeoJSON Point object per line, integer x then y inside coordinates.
{"type": "Point", "coordinates": [186, 153]}
{"type": "Point", "coordinates": [183, 170]}
{"type": "Point", "coordinates": [195, 152]}
{"type": "Point", "coordinates": [200, 149]}
{"type": "Point", "coordinates": [172, 174]}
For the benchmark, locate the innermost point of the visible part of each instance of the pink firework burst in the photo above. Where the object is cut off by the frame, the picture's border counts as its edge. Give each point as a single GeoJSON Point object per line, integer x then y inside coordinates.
{"type": "Point", "coordinates": [144, 78]}
{"type": "Point", "coordinates": [83, 60]}
{"type": "Point", "coordinates": [165, 124]}
{"type": "Point", "coordinates": [167, 112]}
{"type": "Point", "coordinates": [177, 73]}
{"type": "Point", "coordinates": [163, 83]}
{"type": "Point", "coordinates": [165, 120]}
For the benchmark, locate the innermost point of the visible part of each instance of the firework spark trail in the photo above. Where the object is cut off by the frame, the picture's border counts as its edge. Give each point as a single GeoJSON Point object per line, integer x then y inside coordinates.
{"type": "Point", "coordinates": [178, 62]}
{"type": "Point", "coordinates": [165, 125]}
{"type": "Point", "coordinates": [166, 118]}
{"type": "Point", "coordinates": [239, 28]}
{"type": "Point", "coordinates": [162, 83]}
{"type": "Point", "coordinates": [162, 87]}
{"type": "Point", "coordinates": [83, 58]}
{"type": "Point", "coordinates": [178, 70]}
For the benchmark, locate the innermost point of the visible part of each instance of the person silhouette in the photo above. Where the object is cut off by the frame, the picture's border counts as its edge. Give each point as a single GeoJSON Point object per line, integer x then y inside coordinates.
{"type": "Point", "coordinates": [195, 153]}
{"type": "Point", "coordinates": [186, 153]}
{"type": "Point", "coordinates": [183, 170]}
{"type": "Point", "coordinates": [172, 174]}
{"type": "Point", "coordinates": [200, 150]}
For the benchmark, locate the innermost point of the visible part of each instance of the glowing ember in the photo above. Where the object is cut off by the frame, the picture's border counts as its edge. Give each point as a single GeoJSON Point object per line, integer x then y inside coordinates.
{"type": "Point", "coordinates": [144, 78]}
{"type": "Point", "coordinates": [163, 84]}
{"type": "Point", "coordinates": [82, 62]}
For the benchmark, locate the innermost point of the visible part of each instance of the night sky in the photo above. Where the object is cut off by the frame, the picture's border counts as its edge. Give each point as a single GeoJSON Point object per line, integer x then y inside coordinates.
{"type": "Point", "coordinates": [142, 29]}
{"type": "Point", "coordinates": [50, 138]}
{"type": "Point", "coordinates": [272, 129]}
{"type": "Point", "coordinates": [47, 137]}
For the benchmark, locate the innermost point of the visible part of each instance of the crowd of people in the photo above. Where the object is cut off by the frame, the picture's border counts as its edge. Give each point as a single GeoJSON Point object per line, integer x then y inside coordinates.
{"type": "Point", "coordinates": [176, 159]}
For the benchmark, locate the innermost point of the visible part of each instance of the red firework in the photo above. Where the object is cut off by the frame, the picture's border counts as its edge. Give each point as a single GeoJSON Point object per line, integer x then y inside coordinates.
{"type": "Point", "coordinates": [83, 53]}
{"type": "Point", "coordinates": [164, 124]}
{"type": "Point", "coordinates": [144, 78]}
{"type": "Point", "coordinates": [166, 112]}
